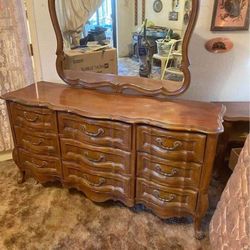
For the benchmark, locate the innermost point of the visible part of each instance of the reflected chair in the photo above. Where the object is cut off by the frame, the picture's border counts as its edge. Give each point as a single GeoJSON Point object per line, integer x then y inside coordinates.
{"type": "Point", "coordinates": [173, 61]}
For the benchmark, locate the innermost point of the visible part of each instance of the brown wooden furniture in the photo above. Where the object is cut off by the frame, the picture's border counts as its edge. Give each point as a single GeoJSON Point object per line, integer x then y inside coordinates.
{"type": "Point", "coordinates": [133, 149]}
{"type": "Point", "coordinates": [236, 124]}
{"type": "Point", "coordinates": [112, 146]}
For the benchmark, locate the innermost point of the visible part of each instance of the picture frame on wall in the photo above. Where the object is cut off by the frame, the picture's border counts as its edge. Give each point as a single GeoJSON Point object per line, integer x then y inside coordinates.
{"type": "Point", "coordinates": [230, 15]}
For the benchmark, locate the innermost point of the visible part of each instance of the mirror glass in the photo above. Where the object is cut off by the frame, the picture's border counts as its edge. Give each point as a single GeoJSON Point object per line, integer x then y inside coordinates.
{"type": "Point", "coordinates": [125, 37]}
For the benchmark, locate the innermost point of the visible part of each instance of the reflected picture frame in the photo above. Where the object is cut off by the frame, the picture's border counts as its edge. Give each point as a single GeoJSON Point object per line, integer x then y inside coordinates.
{"type": "Point", "coordinates": [230, 15]}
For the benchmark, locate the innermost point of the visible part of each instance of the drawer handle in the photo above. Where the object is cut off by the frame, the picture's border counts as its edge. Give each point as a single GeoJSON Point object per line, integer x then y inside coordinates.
{"type": "Point", "coordinates": [98, 133]}
{"type": "Point", "coordinates": [34, 143]}
{"type": "Point", "coordinates": [100, 182]}
{"type": "Point", "coordinates": [171, 197]}
{"type": "Point", "coordinates": [29, 119]}
{"type": "Point", "coordinates": [159, 171]}
{"type": "Point", "coordinates": [32, 164]}
{"type": "Point", "coordinates": [101, 158]}
{"type": "Point", "coordinates": [176, 145]}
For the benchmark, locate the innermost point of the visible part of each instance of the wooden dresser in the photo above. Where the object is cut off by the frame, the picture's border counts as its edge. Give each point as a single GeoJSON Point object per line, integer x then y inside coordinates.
{"type": "Point", "coordinates": [236, 129]}
{"type": "Point", "coordinates": [112, 146]}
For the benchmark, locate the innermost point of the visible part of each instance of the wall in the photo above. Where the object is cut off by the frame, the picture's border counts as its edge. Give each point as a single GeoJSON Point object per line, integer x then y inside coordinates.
{"type": "Point", "coordinates": [125, 26]}
{"type": "Point", "coordinates": [161, 19]}
{"type": "Point", "coordinates": [218, 77]}
{"type": "Point", "coordinates": [214, 77]}
{"type": "Point", "coordinates": [46, 41]}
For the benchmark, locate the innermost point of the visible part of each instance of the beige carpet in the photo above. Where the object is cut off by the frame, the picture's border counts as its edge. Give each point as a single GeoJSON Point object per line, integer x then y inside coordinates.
{"type": "Point", "coordinates": [37, 217]}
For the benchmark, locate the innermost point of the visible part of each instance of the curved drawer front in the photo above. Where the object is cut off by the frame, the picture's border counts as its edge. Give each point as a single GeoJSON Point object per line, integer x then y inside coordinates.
{"type": "Point", "coordinates": [39, 164]}
{"type": "Point", "coordinates": [170, 145]}
{"type": "Point", "coordinates": [38, 143]}
{"type": "Point", "coordinates": [104, 133]}
{"type": "Point", "coordinates": [97, 158]}
{"type": "Point", "coordinates": [114, 186]}
{"type": "Point", "coordinates": [37, 118]}
{"type": "Point", "coordinates": [165, 199]}
{"type": "Point", "coordinates": [168, 172]}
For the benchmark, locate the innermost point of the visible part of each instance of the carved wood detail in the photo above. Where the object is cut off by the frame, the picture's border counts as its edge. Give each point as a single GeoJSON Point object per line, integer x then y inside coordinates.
{"type": "Point", "coordinates": [140, 156]}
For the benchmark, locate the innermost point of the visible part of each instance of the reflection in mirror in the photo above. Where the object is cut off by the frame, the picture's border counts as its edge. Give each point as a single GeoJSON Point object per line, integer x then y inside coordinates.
{"type": "Point", "coordinates": [102, 36]}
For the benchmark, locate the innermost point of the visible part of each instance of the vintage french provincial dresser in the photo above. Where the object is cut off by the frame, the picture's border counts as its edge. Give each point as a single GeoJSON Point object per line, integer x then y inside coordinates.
{"type": "Point", "coordinates": [119, 137]}
{"type": "Point", "coordinates": [112, 146]}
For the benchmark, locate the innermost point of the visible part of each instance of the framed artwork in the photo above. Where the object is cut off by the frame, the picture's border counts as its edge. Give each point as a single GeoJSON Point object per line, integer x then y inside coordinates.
{"type": "Point", "coordinates": [230, 15]}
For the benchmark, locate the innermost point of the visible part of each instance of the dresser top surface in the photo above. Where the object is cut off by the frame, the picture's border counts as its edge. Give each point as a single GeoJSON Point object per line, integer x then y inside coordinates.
{"type": "Point", "coordinates": [176, 115]}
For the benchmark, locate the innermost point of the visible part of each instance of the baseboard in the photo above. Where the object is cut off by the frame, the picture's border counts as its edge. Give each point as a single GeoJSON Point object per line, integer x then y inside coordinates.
{"type": "Point", "coordinates": [5, 156]}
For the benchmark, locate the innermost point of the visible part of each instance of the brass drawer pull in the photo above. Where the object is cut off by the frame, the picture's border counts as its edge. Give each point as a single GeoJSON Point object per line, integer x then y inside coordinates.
{"type": "Point", "coordinates": [176, 145]}
{"type": "Point", "coordinates": [29, 119]}
{"type": "Point", "coordinates": [100, 182]}
{"type": "Point", "coordinates": [34, 165]}
{"type": "Point", "coordinates": [34, 143]}
{"type": "Point", "coordinates": [159, 171]}
{"type": "Point", "coordinates": [101, 158]}
{"type": "Point", "coordinates": [171, 197]}
{"type": "Point", "coordinates": [98, 133]}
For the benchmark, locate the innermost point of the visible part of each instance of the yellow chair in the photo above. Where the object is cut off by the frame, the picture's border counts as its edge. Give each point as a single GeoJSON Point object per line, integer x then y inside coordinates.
{"type": "Point", "coordinates": [175, 56]}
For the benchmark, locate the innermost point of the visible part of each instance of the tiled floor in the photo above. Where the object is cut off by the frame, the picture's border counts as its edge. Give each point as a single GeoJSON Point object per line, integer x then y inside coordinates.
{"type": "Point", "coordinates": [130, 67]}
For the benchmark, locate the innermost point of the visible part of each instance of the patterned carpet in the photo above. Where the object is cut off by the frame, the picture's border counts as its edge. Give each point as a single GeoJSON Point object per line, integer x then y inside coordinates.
{"type": "Point", "coordinates": [37, 217]}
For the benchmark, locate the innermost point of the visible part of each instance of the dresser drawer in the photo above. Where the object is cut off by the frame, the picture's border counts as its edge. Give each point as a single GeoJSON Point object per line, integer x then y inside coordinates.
{"type": "Point", "coordinates": [165, 200]}
{"type": "Point", "coordinates": [170, 145]}
{"type": "Point", "coordinates": [98, 184]}
{"type": "Point", "coordinates": [40, 164]}
{"type": "Point", "coordinates": [37, 118]}
{"type": "Point", "coordinates": [167, 172]}
{"type": "Point", "coordinates": [94, 131]}
{"type": "Point", "coordinates": [38, 143]}
{"type": "Point", "coordinates": [97, 158]}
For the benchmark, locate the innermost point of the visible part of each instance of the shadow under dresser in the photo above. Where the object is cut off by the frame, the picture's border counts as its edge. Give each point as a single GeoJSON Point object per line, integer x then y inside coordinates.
{"type": "Point", "coordinates": [112, 146]}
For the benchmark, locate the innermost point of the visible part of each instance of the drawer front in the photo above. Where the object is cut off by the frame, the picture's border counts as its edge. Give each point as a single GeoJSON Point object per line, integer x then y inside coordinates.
{"type": "Point", "coordinates": [41, 119]}
{"type": "Point", "coordinates": [103, 133]}
{"type": "Point", "coordinates": [114, 186]}
{"type": "Point", "coordinates": [170, 145]}
{"type": "Point", "coordinates": [40, 164]}
{"type": "Point", "coordinates": [165, 199]}
{"type": "Point", "coordinates": [38, 143]}
{"type": "Point", "coordinates": [168, 172]}
{"type": "Point", "coordinates": [97, 158]}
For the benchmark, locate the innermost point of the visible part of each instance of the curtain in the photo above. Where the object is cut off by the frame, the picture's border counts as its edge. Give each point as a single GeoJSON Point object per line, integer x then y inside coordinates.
{"type": "Point", "coordinates": [73, 14]}
{"type": "Point", "coordinates": [15, 61]}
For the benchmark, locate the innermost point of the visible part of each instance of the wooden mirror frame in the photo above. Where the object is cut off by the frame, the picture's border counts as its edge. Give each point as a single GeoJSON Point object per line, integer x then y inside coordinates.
{"type": "Point", "coordinates": [119, 84]}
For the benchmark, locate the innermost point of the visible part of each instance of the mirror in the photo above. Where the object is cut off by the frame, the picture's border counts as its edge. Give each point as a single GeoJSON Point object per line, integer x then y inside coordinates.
{"type": "Point", "coordinates": [125, 45]}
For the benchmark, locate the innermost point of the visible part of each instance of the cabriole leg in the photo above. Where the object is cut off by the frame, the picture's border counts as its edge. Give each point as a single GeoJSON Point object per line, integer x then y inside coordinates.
{"type": "Point", "coordinates": [21, 177]}
{"type": "Point", "coordinates": [199, 234]}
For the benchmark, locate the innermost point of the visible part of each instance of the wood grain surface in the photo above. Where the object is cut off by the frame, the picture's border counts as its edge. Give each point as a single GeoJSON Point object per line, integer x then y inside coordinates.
{"type": "Point", "coordinates": [176, 115]}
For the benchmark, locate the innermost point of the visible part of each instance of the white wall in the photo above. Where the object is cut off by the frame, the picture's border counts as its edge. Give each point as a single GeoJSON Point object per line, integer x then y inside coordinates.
{"type": "Point", "coordinates": [125, 26]}
{"type": "Point", "coordinates": [46, 41]}
{"type": "Point", "coordinates": [218, 77]}
{"type": "Point", "coordinates": [214, 77]}
{"type": "Point", "coordinates": [161, 18]}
